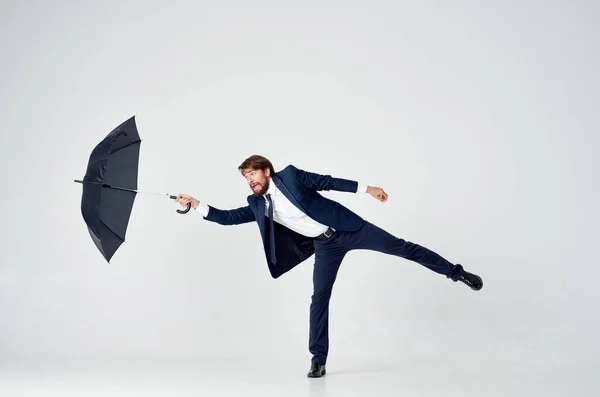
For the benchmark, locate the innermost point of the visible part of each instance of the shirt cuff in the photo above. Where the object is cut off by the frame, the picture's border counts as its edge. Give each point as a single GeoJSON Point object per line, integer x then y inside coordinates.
{"type": "Point", "coordinates": [202, 209]}
{"type": "Point", "coordinates": [362, 188]}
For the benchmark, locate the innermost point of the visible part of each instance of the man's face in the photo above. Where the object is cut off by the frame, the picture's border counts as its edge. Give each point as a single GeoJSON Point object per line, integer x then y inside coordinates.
{"type": "Point", "coordinates": [258, 180]}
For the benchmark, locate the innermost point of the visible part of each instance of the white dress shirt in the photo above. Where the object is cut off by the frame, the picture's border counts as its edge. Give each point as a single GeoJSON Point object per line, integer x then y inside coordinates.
{"type": "Point", "coordinates": [287, 214]}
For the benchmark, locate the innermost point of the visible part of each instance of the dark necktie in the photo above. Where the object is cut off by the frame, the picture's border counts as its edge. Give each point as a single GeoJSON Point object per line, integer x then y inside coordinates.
{"type": "Point", "coordinates": [272, 229]}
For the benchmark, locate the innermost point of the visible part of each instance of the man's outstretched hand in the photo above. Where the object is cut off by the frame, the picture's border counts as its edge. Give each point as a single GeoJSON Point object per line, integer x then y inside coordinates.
{"type": "Point", "coordinates": [184, 199]}
{"type": "Point", "coordinates": [378, 193]}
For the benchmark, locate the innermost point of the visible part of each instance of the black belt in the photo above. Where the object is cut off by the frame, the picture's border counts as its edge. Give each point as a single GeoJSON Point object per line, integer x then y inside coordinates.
{"type": "Point", "coordinates": [326, 234]}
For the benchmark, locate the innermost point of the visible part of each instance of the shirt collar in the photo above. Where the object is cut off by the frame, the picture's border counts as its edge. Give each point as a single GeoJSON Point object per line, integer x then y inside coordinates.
{"type": "Point", "coordinates": [272, 190]}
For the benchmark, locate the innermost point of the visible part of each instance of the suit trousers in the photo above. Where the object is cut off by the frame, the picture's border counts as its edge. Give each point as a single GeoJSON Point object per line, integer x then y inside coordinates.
{"type": "Point", "coordinates": [328, 257]}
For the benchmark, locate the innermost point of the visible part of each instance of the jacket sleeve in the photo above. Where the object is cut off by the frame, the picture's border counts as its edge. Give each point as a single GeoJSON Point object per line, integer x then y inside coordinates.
{"type": "Point", "coordinates": [324, 182]}
{"type": "Point", "coordinates": [230, 217]}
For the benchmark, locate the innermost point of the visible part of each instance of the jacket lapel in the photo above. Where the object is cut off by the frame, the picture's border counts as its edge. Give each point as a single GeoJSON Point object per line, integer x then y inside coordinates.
{"type": "Point", "coordinates": [261, 215]}
{"type": "Point", "coordinates": [281, 186]}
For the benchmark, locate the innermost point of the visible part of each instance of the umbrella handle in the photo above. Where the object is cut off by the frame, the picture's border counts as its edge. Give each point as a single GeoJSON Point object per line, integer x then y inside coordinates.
{"type": "Point", "coordinates": [185, 211]}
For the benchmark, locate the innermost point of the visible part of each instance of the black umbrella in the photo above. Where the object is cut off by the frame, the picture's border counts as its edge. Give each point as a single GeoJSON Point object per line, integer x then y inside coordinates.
{"type": "Point", "coordinates": [110, 187]}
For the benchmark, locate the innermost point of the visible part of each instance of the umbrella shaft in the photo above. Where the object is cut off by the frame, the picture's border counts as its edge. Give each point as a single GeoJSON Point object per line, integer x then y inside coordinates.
{"type": "Point", "coordinates": [126, 189]}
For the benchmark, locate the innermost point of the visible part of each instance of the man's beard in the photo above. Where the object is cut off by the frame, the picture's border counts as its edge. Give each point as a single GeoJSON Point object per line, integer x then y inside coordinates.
{"type": "Point", "coordinates": [263, 190]}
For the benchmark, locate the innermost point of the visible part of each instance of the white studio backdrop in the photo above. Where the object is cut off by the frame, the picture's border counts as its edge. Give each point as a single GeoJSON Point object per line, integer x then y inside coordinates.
{"type": "Point", "coordinates": [478, 118]}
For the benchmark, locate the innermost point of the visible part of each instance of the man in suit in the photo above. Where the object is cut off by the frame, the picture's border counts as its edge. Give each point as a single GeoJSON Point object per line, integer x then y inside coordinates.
{"type": "Point", "coordinates": [296, 221]}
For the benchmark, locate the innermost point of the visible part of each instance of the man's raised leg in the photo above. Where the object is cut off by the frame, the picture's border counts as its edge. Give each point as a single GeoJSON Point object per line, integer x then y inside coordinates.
{"type": "Point", "coordinates": [372, 237]}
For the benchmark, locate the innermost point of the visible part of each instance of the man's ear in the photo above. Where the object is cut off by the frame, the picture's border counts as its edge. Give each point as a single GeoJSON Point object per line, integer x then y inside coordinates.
{"type": "Point", "coordinates": [268, 172]}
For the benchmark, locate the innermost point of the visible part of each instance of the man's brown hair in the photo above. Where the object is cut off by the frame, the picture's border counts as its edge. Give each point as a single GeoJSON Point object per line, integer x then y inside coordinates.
{"type": "Point", "coordinates": [256, 162]}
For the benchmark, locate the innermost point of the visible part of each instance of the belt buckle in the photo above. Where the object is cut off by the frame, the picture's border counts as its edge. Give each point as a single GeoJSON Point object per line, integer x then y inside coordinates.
{"type": "Point", "coordinates": [329, 235]}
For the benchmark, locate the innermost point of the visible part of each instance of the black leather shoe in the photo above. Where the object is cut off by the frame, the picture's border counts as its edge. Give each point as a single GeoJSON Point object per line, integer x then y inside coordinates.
{"type": "Point", "coordinates": [472, 280]}
{"type": "Point", "coordinates": [316, 370]}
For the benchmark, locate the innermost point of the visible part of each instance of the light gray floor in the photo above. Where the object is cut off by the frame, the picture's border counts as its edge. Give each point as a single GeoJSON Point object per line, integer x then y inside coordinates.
{"type": "Point", "coordinates": [246, 377]}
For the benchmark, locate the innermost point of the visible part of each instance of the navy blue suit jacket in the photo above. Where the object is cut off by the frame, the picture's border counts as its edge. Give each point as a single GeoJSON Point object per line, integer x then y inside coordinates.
{"type": "Point", "coordinates": [301, 188]}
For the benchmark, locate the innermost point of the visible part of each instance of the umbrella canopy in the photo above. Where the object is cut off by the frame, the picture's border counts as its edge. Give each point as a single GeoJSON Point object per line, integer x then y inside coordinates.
{"type": "Point", "coordinates": [106, 211]}
{"type": "Point", "coordinates": [110, 187]}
